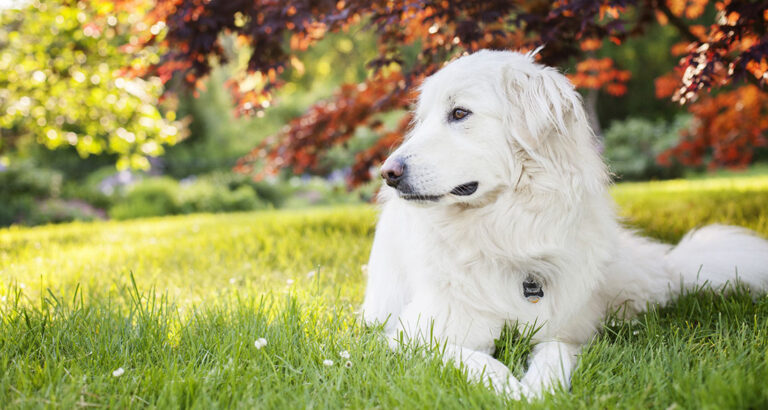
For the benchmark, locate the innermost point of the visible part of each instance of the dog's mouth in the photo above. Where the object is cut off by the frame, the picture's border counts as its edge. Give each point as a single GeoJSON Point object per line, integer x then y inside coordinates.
{"type": "Point", "coordinates": [419, 197]}
{"type": "Point", "coordinates": [405, 192]}
{"type": "Point", "coordinates": [465, 189]}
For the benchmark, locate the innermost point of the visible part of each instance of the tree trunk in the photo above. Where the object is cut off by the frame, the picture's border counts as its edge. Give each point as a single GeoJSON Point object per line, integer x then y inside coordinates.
{"type": "Point", "coordinates": [590, 103]}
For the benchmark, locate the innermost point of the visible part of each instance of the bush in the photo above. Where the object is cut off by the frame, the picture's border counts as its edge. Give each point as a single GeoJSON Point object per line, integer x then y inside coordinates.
{"type": "Point", "coordinates": [21, 185]}
{"type": "Point", "coordinates": [150, 197]}
{"type": "Point", "coordinates": [274, 194]}
{"type": "Point", "coordinates": [166, 196]}
{"type": "Point", "coordinates": [89, 189]}
{"type": "Point", "coordinates": [631, 147]}
{"type": "Point", "coordinates": [203, 195]}
{"type": "Point", "coordinates": [58, 211]}
{"type": "Point", "coordinates": [309, 191]}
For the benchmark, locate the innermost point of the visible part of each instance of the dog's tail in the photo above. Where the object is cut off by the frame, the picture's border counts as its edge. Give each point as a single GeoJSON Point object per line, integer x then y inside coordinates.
{"type": "Point", "coordinates": [717, 255]}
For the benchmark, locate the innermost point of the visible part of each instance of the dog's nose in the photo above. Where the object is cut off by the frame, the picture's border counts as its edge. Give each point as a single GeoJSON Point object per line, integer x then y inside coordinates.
{"type": "Point", "coordinates": [392, 171]}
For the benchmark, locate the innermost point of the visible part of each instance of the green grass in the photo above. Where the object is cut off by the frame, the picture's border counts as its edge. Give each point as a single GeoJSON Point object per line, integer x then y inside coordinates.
{"type": "Point", "coordinates": [178, 302]}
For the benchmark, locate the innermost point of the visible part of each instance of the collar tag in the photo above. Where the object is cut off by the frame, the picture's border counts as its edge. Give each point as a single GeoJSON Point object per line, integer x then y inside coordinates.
{"type": "Point", "coordinates": [532, 290]}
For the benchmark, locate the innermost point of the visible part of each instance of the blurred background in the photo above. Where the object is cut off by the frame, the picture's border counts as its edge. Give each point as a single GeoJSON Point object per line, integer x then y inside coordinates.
{"type": "Point", "coordinates": [126, 109]}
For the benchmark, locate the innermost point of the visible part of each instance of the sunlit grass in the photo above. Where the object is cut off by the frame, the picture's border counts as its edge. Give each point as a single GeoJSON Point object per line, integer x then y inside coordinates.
{"type": "Point", "coordinates": [178, 303]}
{"type": "Point", "coordinates": [194, 257]}
{"type": "Point", "coordinates": [668, 209]}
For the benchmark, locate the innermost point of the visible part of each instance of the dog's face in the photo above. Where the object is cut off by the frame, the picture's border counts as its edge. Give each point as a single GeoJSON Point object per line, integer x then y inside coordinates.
{"type": "Point", "coordinates": [473, 119]}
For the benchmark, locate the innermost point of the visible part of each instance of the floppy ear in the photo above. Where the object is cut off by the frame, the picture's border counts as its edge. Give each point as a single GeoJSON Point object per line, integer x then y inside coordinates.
{"type": "Point", "coordinates": [542, 103]}
{"type": "Point", "coordinates": [546, 118]}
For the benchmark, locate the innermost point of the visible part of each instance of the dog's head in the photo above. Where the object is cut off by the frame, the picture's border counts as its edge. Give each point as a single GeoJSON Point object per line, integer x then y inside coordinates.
{"type": "Point", "coordinates": [489, 122]}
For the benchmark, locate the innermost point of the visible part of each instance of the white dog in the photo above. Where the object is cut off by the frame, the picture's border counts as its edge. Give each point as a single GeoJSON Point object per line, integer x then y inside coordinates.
{"type": "Point", "coordinates": [497, 212]}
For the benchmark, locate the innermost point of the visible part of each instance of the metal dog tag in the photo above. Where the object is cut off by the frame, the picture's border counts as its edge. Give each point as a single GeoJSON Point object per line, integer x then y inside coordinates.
{"type": "Point", "coordinates": [532, 289]}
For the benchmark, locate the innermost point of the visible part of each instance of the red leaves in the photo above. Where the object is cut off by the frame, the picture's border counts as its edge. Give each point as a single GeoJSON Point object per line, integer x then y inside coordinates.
{"type": "Point", "coordinates": [607, 10]}
{"type": "Point", "coordinates": [591, 44]}
{"type": "Point", "coordinates": [758, 68]}
{"type": "Point", "coordinates": [691, 9]}
{"type": "Point", "coordinates": [734, 47]}
{"type": "Point", "coordinates": [729, 125]}
{"type": "Point", "coordinates": [667, 85]}
{"type": "Point", "coordinates": [331, 123]}
{"type": "Point", "coordinates": [377, 153]}
{"type": "Point", "coordinates": [441, 30]}
{"type": "Point", "coordinates": [600, 73]}
{"type": "Point", "coordinates": [727, 129]}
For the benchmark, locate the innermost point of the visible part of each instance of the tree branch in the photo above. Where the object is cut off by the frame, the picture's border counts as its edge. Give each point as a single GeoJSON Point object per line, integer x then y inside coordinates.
{"type": "Point", "coordinates": [749, 78]}
{"type": "Point", "coordinates": [677, 22]}
{"type": "Point", "coordinates": [685, 31]}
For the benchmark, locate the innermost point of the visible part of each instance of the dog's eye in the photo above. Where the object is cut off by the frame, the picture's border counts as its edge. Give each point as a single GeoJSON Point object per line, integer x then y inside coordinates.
{"type": "Point", "coordinates": [459, 114]}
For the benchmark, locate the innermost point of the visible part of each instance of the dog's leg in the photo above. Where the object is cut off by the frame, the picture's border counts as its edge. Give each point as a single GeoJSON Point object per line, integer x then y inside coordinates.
{"type": "Point", "coordinates": [463, 342]}
{"type": "Point", "coordinates": [483, 368]}
{"type": "Point", "coordinates": [388, 290]}
{"type": "Point", "coordinates": [480, 366]}
{"type": "Point", "coordinates": [550, 364]}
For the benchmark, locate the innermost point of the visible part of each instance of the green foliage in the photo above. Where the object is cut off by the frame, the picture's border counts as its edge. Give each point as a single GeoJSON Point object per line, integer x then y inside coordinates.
{"type": "Point", "coordinates": [64, 159]}
{"type": "Point", "coordinates": [150, 197]}
{"type": "Point", "coordinates": [217, 139]}
{"type": "Point", "coordinates": [165, 196]}
{"type": "Point", "coordinates": [21, 184]}
{"type": "Point", "coordinates": [57, 211]}
{"type": "Point", "coordinates": [647, 57]}
{"type": "Point", "coordinates": [632, 146]}
{"type": "Point", "coordinates": [61, 83]}
{"type": "Point", "coordinates": [274, 193]}
{"type": "Point", "coordinates": [88, 189]}
{"type": "Point", "coordinates": [221, 283]}
{"type": "Point", "coordinates": [317, 191]}
{"type": "Point", "coordinates": [204, 196]}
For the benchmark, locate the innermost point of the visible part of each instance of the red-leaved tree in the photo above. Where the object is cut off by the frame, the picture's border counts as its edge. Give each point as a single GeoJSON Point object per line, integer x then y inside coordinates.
{"type": "Point", "coordinates": [732, 49]}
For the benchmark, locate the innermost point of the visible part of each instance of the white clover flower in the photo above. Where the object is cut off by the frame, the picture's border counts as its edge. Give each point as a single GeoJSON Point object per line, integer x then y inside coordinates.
{"type": "Point", "coordinates": [289, 282]}
{"type": "Point", "coordinates": [232, 281]}
{"type": "Point", "coordinates": [311, 274]}
{"type": "Point", "coordinates": [344, 354]}
{"type": "Point", "coordinates": [327, 362]}
{"type": "Point", "coordinates": [119, 372]}
{"type": "Point", "coordinates": [260, 342]}
{"type": "Point", "coordinates": [348, 364]}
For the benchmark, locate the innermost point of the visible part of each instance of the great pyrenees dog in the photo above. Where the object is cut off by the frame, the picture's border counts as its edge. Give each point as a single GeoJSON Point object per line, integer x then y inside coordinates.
{"type": "Point", "coordinates": [497, 211]}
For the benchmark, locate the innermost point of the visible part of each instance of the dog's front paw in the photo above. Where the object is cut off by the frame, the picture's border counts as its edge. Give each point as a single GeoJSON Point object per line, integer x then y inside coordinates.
{"type": "Point", "coordinates": [512, 388]}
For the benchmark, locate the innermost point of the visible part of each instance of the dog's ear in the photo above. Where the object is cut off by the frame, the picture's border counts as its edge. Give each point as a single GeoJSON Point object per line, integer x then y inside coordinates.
{"type": "Point", "coordinates": [545, 118]}
{"type": "Point", "coordinates": [542, 102]}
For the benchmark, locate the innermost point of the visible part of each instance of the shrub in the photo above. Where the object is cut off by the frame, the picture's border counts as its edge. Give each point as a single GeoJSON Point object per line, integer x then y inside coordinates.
{"type": "Point", "coordinates": [631, 147]}
{"type": "Point", "coordinates": [58, 211]}
{"type": "Point", "coordinates": [203, 195]}
{"type": "Point", "coordinates": [273, 193]}
{"type": "Point", "coordinates": [89, 190]}
{"type": "Point", "coordinates": [21, 184]}
{"type": "Point", "coordinates": [166, 196]}
{"type": "Point", "coordinates": [150, 197]}
{"type": "Point", "coordinates": [308, 191]}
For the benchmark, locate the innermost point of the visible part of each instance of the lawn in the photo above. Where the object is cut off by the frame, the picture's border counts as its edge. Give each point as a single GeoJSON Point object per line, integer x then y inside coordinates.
{"type": "Point", "coordinates": [166, 312]}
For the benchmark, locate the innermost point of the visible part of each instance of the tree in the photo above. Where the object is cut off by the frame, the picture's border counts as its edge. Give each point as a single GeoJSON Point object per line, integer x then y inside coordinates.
{"type": "Point", "coordinates": [733, 49]}
{"type": "Point", "coordinates": [64, 81]}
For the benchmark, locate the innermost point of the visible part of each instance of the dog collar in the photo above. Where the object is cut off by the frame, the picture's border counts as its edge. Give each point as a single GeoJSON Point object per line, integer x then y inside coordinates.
{"type": "Point", "coordinates": [532, 290]}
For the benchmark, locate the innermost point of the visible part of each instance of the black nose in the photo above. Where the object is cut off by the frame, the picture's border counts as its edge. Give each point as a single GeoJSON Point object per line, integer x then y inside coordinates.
{"type": "Point", "coordinates": [393, 171]}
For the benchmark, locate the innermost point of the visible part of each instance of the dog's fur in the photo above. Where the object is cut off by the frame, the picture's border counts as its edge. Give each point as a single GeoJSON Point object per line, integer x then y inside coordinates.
{"type": "Point", "coordinates": [451, 267]}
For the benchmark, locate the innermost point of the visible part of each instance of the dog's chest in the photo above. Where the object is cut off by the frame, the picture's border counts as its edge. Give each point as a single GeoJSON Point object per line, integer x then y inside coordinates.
{"type": "Point", "coordinates": [477, 283]}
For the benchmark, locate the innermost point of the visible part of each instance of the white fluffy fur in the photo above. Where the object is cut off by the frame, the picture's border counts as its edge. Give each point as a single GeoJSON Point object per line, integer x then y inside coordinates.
{"type": "Point", "coordinates": [452, 269]}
